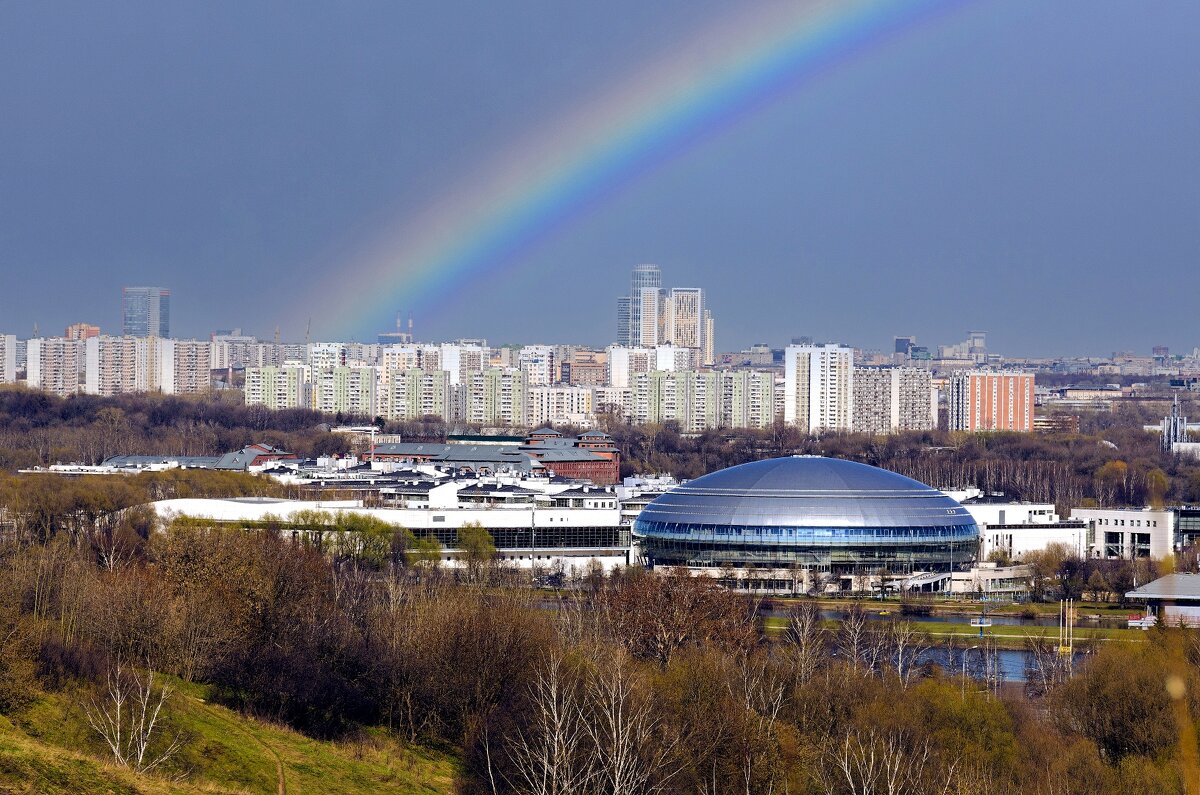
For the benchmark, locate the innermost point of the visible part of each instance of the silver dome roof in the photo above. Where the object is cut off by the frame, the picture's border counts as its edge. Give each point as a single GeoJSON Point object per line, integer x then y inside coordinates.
{"type": "Point", "coordinates": [806, 491]}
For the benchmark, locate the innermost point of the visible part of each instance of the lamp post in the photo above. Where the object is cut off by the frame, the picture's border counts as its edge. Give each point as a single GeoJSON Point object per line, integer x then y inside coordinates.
{"type": "Point", "coordinates": [964, 670]}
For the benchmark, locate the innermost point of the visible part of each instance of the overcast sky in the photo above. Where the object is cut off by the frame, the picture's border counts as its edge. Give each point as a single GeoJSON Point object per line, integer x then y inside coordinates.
{"type": "Point", "coordinates": [1028, 168]}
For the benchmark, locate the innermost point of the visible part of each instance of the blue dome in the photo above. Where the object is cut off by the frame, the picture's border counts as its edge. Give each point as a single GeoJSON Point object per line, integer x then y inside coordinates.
{"type": "Point", "coordinates": [807, 511]}
{"type": "Point", "coordinates": [807, 491]}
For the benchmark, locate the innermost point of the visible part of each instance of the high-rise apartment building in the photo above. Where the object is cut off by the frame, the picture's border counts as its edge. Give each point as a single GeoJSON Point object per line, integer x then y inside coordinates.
{"type": "Point", "coordinates": [116, 365]}
{"type": "Point", "coordinates": [548, 405]}
{"type": "Point", "coordinates": [747, 399]}
{"type": "Point", "coordinates": [650, 307]}
{"type": "Point", "coordinates": [414, 393]}
{"type": "Point", "coordinates": [345, 390]}
{"type": "Point", "coordinates": [496, 397]}
{"type": "Point", "coordinates": [278, 387]}
{"type": "Point", "coordinates": [54, 364]}
{"type": "Point", "coordinates": [818, 390]}
{"type": "Point", "coordinates": [685, 319]}
{"type": "Point", "coordinates": [982, 400]}
{"type": "Point", "coordinates": [81, 331]}
{"type": "Point", "coordinates": [8, 358]}
{"type": "Point", "coordinates": [891, 399]}
{"type": "Point", "coordinates": [184, 367]}
{"type": "Point", "coordinates": [624, 363]}
{"type": "Point", "coordinates": [691, 398]}
{"type": "Point", "coordinates": [146, 311]}
{"type": "Point", "coordinates": [537, 363]}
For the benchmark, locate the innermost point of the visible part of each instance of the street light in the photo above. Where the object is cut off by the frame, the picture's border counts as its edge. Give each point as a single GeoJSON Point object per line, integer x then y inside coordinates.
{"type": "Point", "coordinates": [964, 670]}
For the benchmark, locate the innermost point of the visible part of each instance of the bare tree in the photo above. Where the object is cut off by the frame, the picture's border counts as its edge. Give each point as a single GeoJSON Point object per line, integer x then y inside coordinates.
{"type": "Point", "coordinates": [758, 688]}
{"type": "Point", "coordinates": [126, 716]}
{"type": "Point", "coordinates": [553, 755]}
{"type": "Point", "coordinates": [852, 636]}
{"type": "Point", "coordinates": [806, 648]}
{"type": "Point", "coordinates": [873, 762]}
{"type": "Point", "coordinates": [622, 721]}
{"type": "Point", "coordinates": [908, 646]}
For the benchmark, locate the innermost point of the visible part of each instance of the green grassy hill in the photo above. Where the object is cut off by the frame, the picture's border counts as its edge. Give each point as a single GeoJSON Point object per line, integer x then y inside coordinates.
{"type": "Point", "coordinates": [48, 748]}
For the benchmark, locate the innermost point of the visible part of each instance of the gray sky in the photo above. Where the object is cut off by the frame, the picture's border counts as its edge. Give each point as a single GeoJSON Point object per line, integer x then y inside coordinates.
{"type": "Point", "coordinates": [1028, 168]}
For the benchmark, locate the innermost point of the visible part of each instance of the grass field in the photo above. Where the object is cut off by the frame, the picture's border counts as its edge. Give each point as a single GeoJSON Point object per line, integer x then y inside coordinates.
{"type": "Point", "coordinates": [48, 748]}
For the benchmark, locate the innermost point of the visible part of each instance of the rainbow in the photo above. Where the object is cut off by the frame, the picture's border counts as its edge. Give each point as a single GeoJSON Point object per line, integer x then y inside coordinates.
{"type": "Point", "coordinates": [722, 75]}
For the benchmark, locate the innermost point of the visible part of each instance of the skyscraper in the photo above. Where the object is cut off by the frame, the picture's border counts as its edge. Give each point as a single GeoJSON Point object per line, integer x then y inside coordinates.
{"type": "Point", "coordinates": [686, 318]}
{"type": "Point", "coordinates": [146, 311]}
{"type": "Point", "coordinates": [644, 277]}
{"type": "Point", "coordinates": [624, 320]}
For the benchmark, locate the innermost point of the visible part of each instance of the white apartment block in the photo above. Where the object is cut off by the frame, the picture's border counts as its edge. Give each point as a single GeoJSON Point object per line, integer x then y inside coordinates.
{"type": "Point", "coordinates": [818, 387]}
{"type": "Point", "coordinates": [496, 397]}
{"type": "Point", "coordinates": [550, 405]}
{"type": "Point", "coordinates": [1128, 532]}
{"type": "Point", "coordinates": [399, 357]}
{"type": "Point", "coordinates": [624, 363]}
{"type": "Point", "coordinates": [612, 400]}
{"type": "Point", "coordinates": [415, 393]}
{"type": "Point", "coordinates": [235, 351]}
{"type": "Point", "coordinates": [537, 365]}
{"type": "Point", "coordinates": [54, 364]}
{"type": "Point", "coordinates": [284, 387]}
{"type": "Point", "coordinates": [461, 360]}
{"type": "Point", "coordinates": [675, 357]}
{"type": "Point", "coordinates": [182, 367]}
{"type": "Point", "coordinates": [117, 365]}
{"type": "Point", "coordinates": [887, 400]}
{"type": "Point", "coordinates": [345, 390]}
{"type": "Point", "coordinates": [8, 358]}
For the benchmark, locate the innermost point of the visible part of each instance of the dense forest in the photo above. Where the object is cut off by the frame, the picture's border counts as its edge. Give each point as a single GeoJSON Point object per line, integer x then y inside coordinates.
{"type": "Point", "coordinates": [1113, 461]}
{"type": "Point", "coordinates": [636, 684]}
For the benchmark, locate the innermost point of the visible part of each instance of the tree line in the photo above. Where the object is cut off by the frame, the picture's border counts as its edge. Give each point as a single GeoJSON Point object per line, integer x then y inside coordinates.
{"type": "Point", "coordinates": [639, 683]}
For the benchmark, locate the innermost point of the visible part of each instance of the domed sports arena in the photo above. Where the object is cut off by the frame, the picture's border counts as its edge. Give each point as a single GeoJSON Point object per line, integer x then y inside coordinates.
{"type": "Point", "coordinates": [771, 523]}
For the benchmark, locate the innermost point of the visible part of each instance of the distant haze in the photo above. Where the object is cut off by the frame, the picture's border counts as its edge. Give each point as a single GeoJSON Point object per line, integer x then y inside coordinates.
{"type": "Point", "coordinates": [1027, 168]}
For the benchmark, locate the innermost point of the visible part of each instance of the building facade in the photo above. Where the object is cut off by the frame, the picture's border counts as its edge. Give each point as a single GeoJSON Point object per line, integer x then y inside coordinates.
{"type": "Point", "coordinates": [54, 364]}
{"type": "Point", "coordinates": [278, 387]}
{"type": "Point", "coordinates": [891, 399]}
{"type": "Point", "coordinates": [982, 400]}
{"type": "Point", "coordinates": [818, 387]}
{"type": "Point", "coordinates": [146, 312]}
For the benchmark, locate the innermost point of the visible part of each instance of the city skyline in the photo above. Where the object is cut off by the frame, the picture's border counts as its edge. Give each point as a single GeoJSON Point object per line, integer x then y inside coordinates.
{"type": "Point", "coordinates": [886, 180]}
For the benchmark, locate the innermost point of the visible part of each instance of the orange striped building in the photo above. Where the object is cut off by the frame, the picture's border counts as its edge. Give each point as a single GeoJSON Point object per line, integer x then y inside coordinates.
{"type": "Point", "coordinates": [991, 401]}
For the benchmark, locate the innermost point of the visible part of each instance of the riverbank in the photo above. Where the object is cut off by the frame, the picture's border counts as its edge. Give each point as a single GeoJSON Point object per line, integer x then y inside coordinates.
{"type": "Point", "coordinates": [1012, 637]}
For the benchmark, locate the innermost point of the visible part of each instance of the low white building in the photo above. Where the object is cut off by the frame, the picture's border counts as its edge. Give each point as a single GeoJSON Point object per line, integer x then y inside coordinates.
{"type": "Point", "coordinates": [1019, 528]}
{"type": "Point", "coordinates": [570, 530]}
{"type": "Point", "coordinates": [1128, 532]}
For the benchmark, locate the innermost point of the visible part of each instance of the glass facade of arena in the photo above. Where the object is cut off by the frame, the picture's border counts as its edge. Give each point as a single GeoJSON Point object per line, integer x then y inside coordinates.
{"type": "Point", "coordinates": [840, 550]}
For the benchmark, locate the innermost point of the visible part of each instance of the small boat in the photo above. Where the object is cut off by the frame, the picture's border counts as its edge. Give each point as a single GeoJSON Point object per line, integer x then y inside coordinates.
{"type": "Point", "coordinates": [1142, 622]}
{"type": "Point", "coordinates": [885, 612]}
